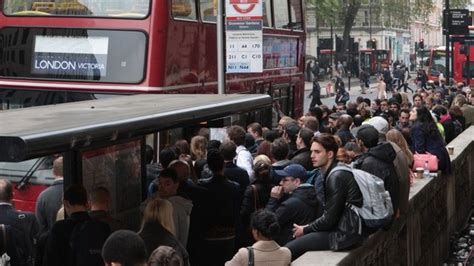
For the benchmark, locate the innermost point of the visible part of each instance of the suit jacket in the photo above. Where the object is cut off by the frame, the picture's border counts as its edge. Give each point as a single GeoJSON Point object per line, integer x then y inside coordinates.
{"type": "Point", "coordinates": [266, 253]}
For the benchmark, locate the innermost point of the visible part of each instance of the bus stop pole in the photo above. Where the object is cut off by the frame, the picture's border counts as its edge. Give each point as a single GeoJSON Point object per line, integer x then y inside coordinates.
{"type": "Point", "coordinates": [447, 39]}
{"type": "Point", "coordinates": [220, 48]}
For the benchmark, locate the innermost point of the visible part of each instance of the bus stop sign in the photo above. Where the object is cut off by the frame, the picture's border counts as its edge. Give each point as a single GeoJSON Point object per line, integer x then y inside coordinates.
{"type": "Point", "coordinates": [458, 21]}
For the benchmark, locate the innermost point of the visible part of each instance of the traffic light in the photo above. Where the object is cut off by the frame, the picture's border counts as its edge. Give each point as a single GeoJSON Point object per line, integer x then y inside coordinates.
{"type": "Point", "coordinates": [421, 44]}
{"type": "Point", "coordinates": [373, 44]}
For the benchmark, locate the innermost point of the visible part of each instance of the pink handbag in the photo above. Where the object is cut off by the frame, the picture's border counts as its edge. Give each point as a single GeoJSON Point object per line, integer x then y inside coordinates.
{"type": "Point", "coordinates": [420, 159]}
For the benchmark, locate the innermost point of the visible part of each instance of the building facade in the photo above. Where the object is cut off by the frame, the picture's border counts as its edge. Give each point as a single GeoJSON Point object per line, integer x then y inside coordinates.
{"type": "Point", "coordinates": [392, 28]}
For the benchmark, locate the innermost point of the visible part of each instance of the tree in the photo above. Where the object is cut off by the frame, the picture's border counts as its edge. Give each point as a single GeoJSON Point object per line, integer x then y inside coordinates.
{"type": "Point", "coordinates": [343, 12]}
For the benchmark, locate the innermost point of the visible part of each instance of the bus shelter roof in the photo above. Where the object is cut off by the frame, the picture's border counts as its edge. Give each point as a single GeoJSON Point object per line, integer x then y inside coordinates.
{"type": "Point", "coordinates": [39, 131]}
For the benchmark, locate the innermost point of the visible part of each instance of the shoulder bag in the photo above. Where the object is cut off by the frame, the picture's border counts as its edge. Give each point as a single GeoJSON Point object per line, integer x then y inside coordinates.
{"type": "Point", "coordinates": [255, 198]}
{"type": "Point", "coordinates": [251, 256]}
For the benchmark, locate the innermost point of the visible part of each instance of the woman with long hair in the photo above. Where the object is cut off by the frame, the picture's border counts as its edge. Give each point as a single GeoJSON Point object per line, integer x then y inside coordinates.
{"type": "Point", "coordinates": [395, 136]}
{"type": "Point", "coordinates": [199, 154]}
{"type": "Point", "coordinates": [256, 195]}
{"type": "Point", "coordinates": [426, 137]}
{"type": "Point", "coordinates": [158, 228]}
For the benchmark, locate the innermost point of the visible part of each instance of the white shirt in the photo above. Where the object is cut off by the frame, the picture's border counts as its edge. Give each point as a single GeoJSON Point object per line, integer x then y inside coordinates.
{"type": "Point", "coordinates": [244, 160]}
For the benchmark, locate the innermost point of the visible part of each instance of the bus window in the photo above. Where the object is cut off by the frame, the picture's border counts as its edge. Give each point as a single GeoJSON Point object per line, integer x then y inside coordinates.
{"type": "Point", "coordinates": [184, 9]}
{"type": "Point", "coordinates": [75, 54]}
{"type": "Point", "coordinates": [267, 13]}
{"type": "Point", "coordinates": [296, 15]}
{"type": "Point", "coordinates": [468, 70]}
{"type": "Point", "coordinates": [87, 8]}
{"type": "Point", "coordinates": [208, 10]}
{"type": "Point", "coordinates": [281, 14]}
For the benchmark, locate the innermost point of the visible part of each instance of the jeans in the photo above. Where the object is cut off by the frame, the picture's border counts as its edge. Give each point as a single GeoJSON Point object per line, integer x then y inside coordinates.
{"type": "Point", "coordinates": [309, 242]}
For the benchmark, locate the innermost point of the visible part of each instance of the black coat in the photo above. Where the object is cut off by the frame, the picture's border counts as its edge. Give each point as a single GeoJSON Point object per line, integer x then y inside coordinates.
{"type": "Point", "coordinates": [155, 235]}
{"type": "Point", "coordinates": [58, 248]}
{"type": "Point", "coordinates": [303, 157]}
{"type": "Point", "coordinates": [340, 187]}
{"type": "Point", "coordinates": [378, 161]}
{"type": "Point", "coordinates": [248, 202]}
{"type": "Point", "coordinates": [301, 207]}
{"type": "Point", "coordinates": [238, 175]}
{"type": "Point", "coordinates": [223, 206]}
{"type": "Point", "coordinates": [423, 141]}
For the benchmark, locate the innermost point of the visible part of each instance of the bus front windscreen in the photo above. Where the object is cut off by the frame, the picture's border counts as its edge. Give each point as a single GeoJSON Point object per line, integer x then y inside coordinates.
{"type": "Point", "coordinates": [83, 8]}
{"type": "Point", "coordinates": [438, 64]}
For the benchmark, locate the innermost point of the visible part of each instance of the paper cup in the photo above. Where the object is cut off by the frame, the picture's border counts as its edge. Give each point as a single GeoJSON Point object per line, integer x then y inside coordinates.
{"type": "Point", "coordinates": [419, 172]}
{"type": "Point", "coordinates": [450, 150]}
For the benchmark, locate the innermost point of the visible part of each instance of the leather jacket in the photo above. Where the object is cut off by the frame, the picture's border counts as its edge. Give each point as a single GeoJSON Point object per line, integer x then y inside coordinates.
{"type": "Point", "coordinates": [339, 187]}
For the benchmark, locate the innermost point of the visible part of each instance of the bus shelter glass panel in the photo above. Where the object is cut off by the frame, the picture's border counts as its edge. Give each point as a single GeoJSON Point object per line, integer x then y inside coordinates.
{"type": "Point", "coordinates": [83, 8]}
{"type": "Point", "coordinates": [183, 9]}
{"type": "Point", "coordinates": [118, 169]}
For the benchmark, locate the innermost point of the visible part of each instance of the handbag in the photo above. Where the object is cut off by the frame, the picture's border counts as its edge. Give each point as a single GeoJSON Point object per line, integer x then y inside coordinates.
{"type": "Point", "coordinates": [349, 230]}
{"type": "Point", "coordinates": [422, 160]}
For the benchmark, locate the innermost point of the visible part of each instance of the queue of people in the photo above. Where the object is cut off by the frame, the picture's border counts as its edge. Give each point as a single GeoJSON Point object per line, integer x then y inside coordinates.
{"type": "Point", "coordinates": [262, 195]}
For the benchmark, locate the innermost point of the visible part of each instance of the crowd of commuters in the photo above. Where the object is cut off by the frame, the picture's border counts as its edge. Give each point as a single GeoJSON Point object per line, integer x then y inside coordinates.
{"type": "Point", "coordinates": [267, 195]}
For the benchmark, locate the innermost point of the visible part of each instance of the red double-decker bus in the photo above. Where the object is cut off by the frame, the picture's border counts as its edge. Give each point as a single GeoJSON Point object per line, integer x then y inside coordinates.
{"type": "Point", "coordinates": [70, 47]}
{"type": "Point", "coordinates": [462, 68]}
{"type": "Point", "coordinates": [68, 50]}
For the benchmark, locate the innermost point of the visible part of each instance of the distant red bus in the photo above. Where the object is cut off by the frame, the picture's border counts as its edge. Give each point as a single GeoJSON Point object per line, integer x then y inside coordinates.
{"type": "Point", "coordinates": [436, 63]}
{"type": "Point", "coordinates": [374, 61]}
{"type": "Point", "coordinates": [69, 50]}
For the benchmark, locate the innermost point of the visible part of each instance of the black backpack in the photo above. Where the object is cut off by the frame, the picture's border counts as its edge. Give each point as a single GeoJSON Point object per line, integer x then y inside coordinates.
{"type": "Point", "coordinates": [15, 243]}
{"type": "Point", "coordinates": [86, 241]}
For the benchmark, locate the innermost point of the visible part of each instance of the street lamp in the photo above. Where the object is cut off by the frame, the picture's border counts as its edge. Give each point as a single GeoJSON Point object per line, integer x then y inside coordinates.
{"type": "Point", "coordinates": [370, 22]}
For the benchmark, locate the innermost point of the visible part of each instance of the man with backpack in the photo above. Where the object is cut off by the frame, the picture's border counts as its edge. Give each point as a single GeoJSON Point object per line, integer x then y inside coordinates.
{"type": "Point", "coordinates": [377, 159]}
{"type": "Point", "coordinates": [17, 229]}
{"type": "Point", "coordinates": [341, 190]}
{"type": "Point", "coordinates": [77, 240]}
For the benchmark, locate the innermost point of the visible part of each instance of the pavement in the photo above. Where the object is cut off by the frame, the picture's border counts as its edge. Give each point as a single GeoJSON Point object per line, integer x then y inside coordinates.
{"type": "Point", "coordinates": [354, 91]}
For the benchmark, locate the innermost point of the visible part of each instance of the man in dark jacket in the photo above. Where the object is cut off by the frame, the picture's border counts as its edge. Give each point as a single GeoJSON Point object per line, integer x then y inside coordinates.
{"type": "Point", "coordinates": [22, 231]}
{"type": "Point", "coordinates": [300, 207]}
{"type": "Point", "coordinates": [377, 159]}
{"type": "Point", "coordinates": [72, 238]}
{"type": "Point", "coordinates": [279, 150]}
{"type": "Point", "coordinates": [222, 213]}
{"type": "Point", "coordinates": [340, 188]}
{"type": "Point", "coordinates": [302, 156]}
{"type": "Point", "coordinates": [231, 170]}
{"type": "Point", "coordinates": [316, 94]}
